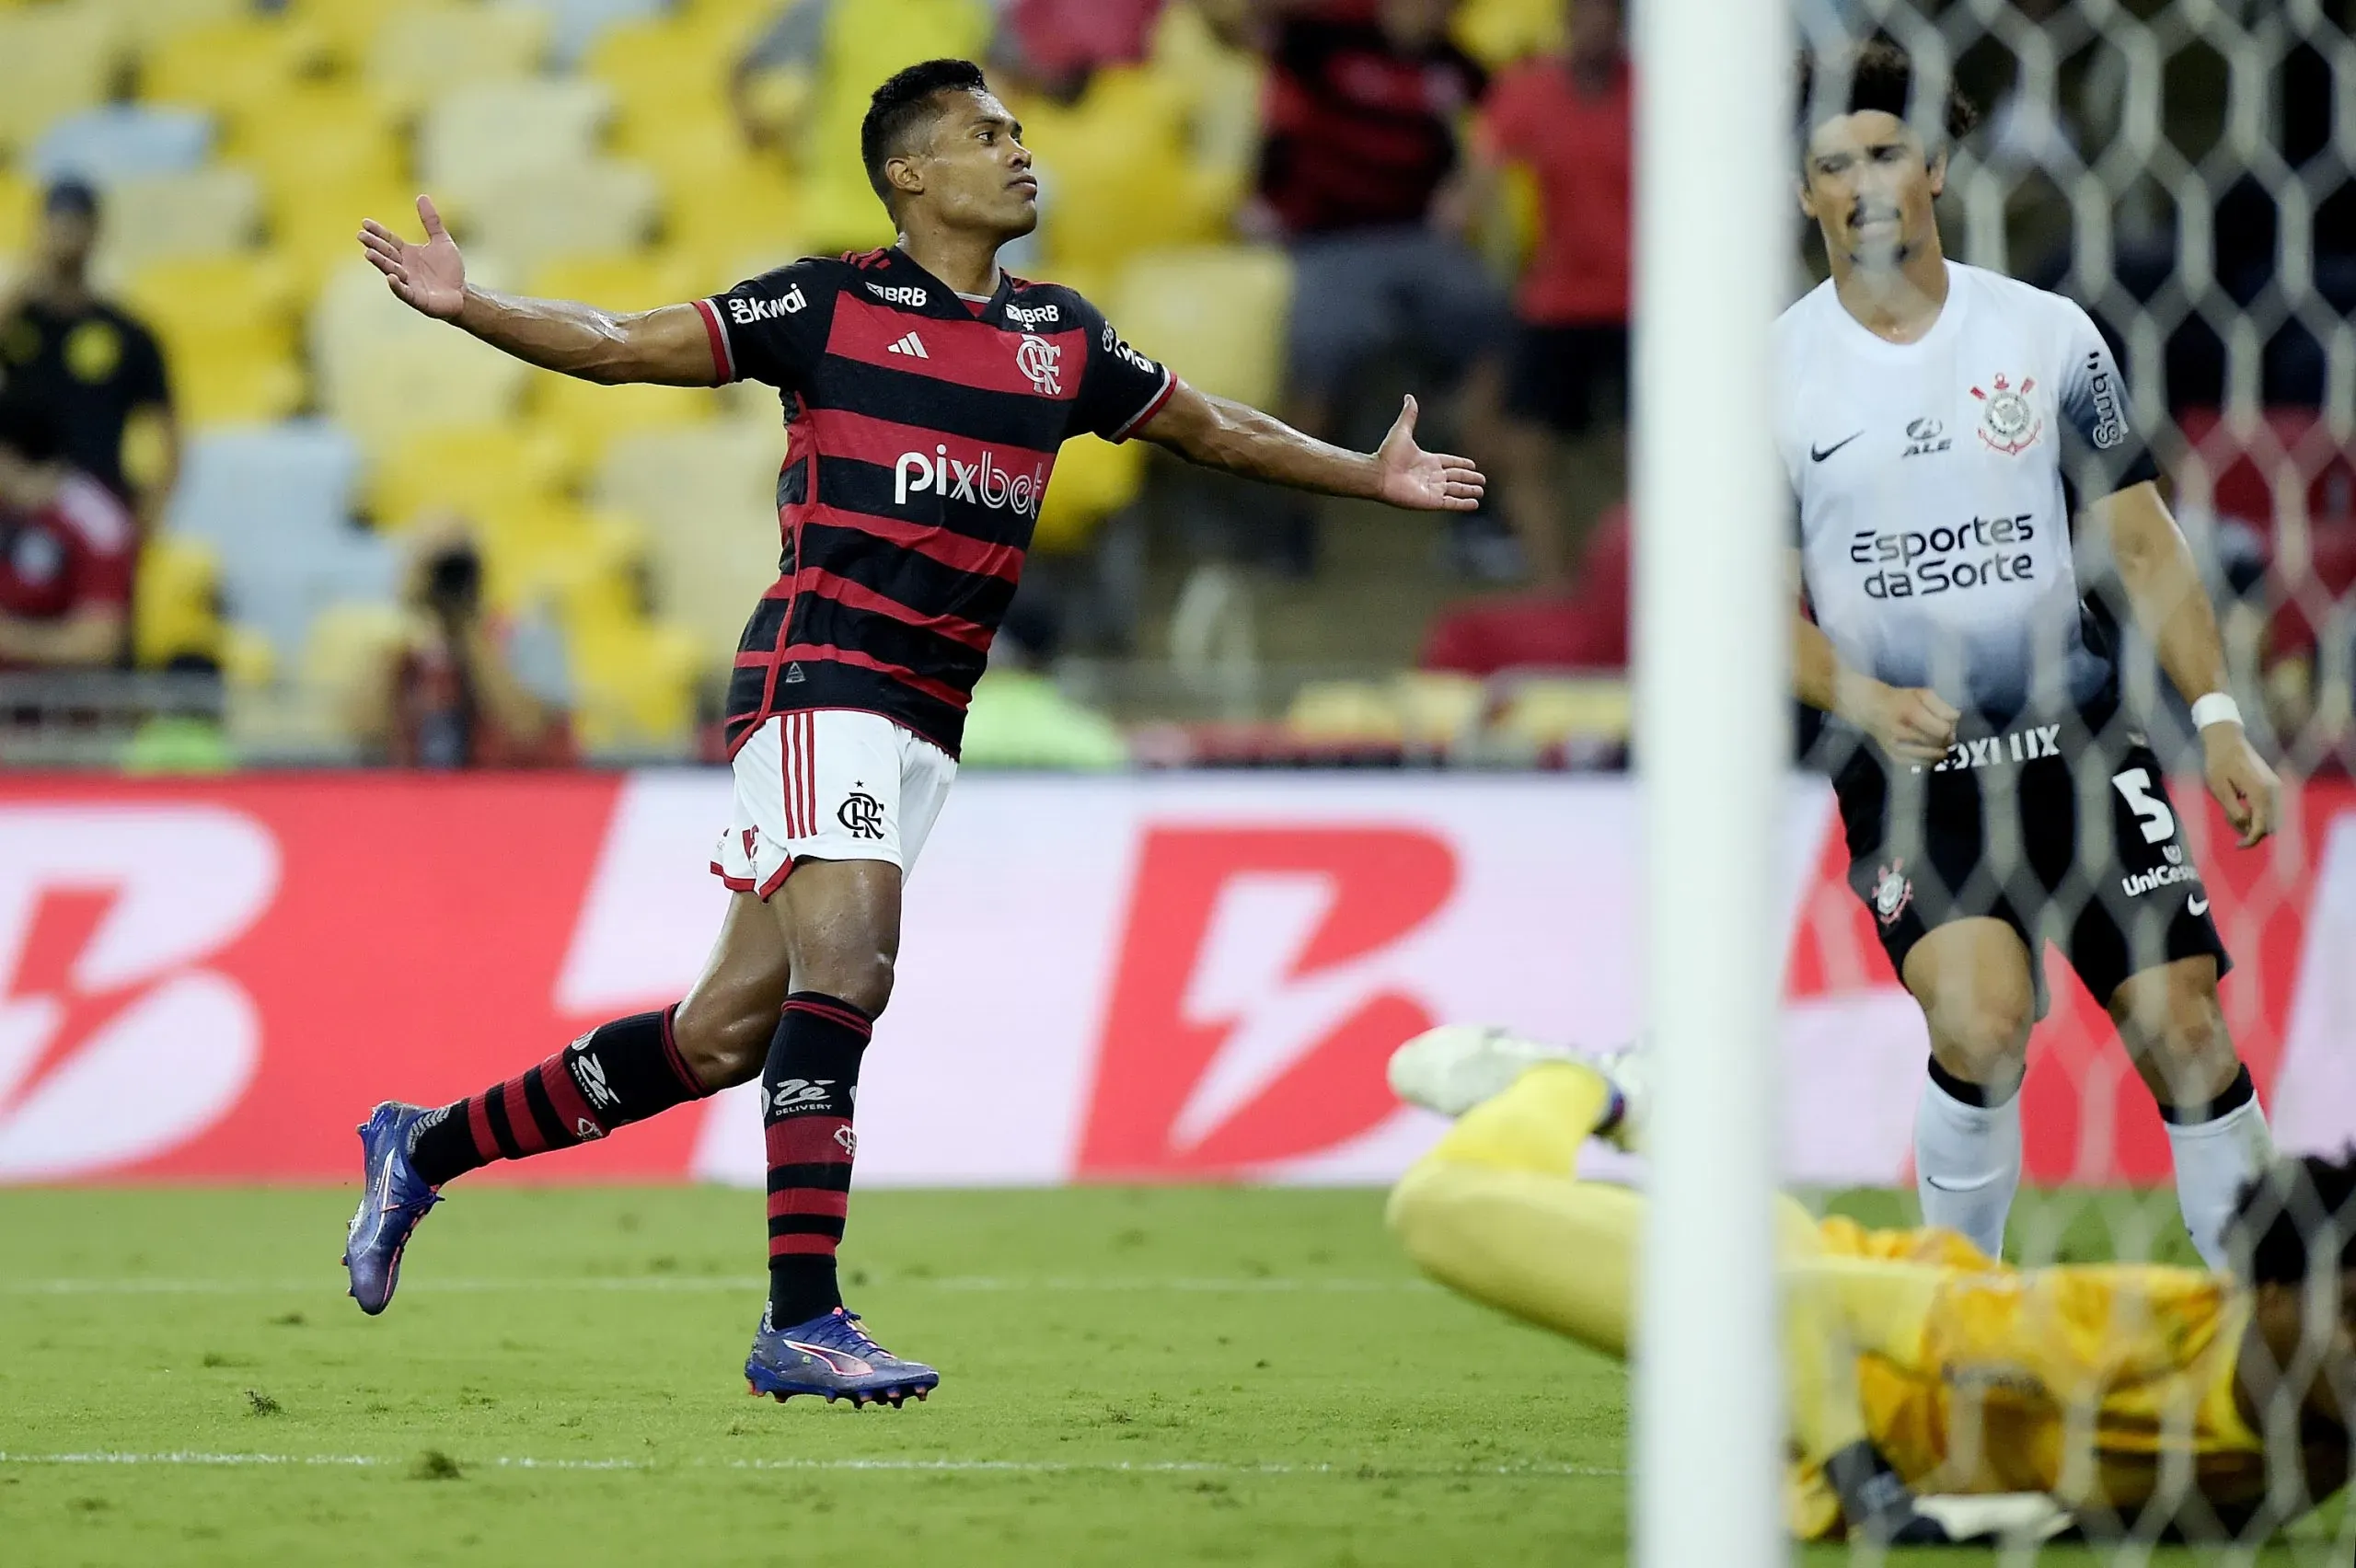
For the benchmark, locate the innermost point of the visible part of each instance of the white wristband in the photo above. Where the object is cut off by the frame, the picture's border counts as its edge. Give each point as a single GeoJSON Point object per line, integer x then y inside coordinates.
{"type": "Point", "coordinates": [2215, 709]}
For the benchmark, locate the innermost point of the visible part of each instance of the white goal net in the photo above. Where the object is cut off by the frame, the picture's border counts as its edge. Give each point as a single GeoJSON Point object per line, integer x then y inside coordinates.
{"type": "Point", "coordinates": [2186, 171]}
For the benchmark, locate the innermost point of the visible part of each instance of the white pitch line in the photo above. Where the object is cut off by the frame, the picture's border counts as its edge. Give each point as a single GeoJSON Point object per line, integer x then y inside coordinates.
{"type": "Point", "coordinates": [1370, 1469]}
{"type": "Point", "coordinates": [662, 1284]}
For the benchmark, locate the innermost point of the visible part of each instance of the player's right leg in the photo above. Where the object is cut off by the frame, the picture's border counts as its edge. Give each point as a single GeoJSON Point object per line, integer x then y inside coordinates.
{"type": "Point", "coordinates": [620, 1072]}
{"type": "Point", "coordinates": [1978, 992]}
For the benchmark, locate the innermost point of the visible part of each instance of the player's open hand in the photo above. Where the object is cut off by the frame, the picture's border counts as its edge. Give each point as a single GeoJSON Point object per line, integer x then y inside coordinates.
{"type": "Point", "coordinates": [1913, 723]}
{"type": "Point", "coordinates": [2241, 782]}
{"type": "Point", "coordinates": [429, 277]}
{"type": "Point", "coordinates": [1407, 475]}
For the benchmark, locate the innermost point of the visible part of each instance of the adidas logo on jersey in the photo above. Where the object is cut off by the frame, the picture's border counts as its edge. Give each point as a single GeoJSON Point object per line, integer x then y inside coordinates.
{"type": "Point", "coordinates": [912, 346]}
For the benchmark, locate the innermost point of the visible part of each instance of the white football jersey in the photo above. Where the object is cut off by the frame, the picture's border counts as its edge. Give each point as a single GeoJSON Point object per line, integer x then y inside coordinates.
{"type": "Point", "coordinates": [1933, 536]}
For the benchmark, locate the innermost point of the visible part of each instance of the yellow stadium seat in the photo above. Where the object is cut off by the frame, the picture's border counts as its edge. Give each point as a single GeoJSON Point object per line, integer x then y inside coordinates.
{"type": "Point", "coordinates": [228, 329]}
{"type": "Point", "coordinates": [1360, 711]}
{"type": "Point", "coordinates": [176, 608]}
{"type": "Point", "coordinates": [423, 49]}
{"type": "Point", "coordinates": [1438, 710]}
{"type": "Point", "coordinates": [1498, 33]}
{"type": "Point", "coordinates": [19, 210]}
{"type": "Point", "coordinates": [639, 281]}
{"type": "Point", "coordinates": [476, 136]}
{"type": "Point", "coordinates": [554, 551]}
{"type": "Point", "coordinates": [707, 497]}
{"type": "Point", "coordinates": [145, 25]}
{"type": "Point", "coordinates": [584, 418]}
{"type": "Point", "coordinates": [685, 146]}
{"type": "Point", "coordinates": [483, 472]}
{"type": "Point", "coordinates": [410, 384]}
{"type": "Point", "coordinates": [1222, 89]}
{"type": "Point", "coordinates": [247, 657]}
{"type": "Point", "coordinates": [1118, 174]}
{"type": "Point", "coordinates": [237, 67]}
{"type": "Point", "coordinates": [318, 231]}
{"type": "Point", "coordinates": [660, 67]}
{"type": "Point", "coordinates": [750, 207]}
{"type": "Point", "coordinates": [1547, 712]}
{"type": "Point", "coordinates": [207, 211]}
{"type": "Point", "coordinates": [1092, 479]}
{"type": "Point", "coordinates": [635, 684]}
{"type": "Point", "coordinates": [53, 60]}
{"type": "Point", "coordinates": [316, 136]}
{"type": "Point", "coordinates": [1214, 314]}
{"type": "Point", "coordinates": [347, 655]}
{"type": "Point", "coordinates": [529, 217]}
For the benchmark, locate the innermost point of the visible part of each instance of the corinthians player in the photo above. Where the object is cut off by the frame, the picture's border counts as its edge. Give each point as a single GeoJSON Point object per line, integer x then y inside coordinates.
{"type": "Point", "coordinates": [1993, 793]}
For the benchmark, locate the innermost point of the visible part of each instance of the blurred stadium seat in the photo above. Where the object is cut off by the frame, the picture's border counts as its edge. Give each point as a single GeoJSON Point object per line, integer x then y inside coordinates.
{"type": "Point", "coordinates": [121, 141]}
{"type": "Point", "coordinates": [1118, 177]}
{"type": "Point", "coordinates": [475, 136]}
{"type": "Point", "coordinates": [228, 329]}
{"type": "Point", "coordinates": [55, 59]}
{"type": "Point", "coordinates": [1092, 479]}
{"type": "Point", "coordinates": [418, 52]}
{"type": "Point", "coordinates": [1497, 32]}
{"type": "Point", "coordinates": [236, 67]}
{"type": "Point", "coordinates": [574, 25]}
{"type": "Point", "coordinates": [145, 23]}
{"type": "Point", "coordinates": [1215, 315]}
{"type": "Point", "coordinates": [484, 472]}
{"type": "Point", "coordinates": [176, 609]}
{"type": "Point", "coordinates": [211, 211]}
{"type": "Point", "coordinates": [601, 206]}
{"type": "Point", "coordinates": [585, 418]}
{"type": "Point", "coordinates": [707, 497]}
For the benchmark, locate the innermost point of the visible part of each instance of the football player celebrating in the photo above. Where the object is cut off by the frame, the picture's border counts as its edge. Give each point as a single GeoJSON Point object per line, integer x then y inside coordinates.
{"type": "Point", "coordinates": [925, 393]}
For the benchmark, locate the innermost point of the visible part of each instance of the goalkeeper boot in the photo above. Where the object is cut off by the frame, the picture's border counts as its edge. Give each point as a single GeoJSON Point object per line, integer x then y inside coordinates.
{"type": "Point", "coordinates": [1454, 1068]}
{"type": "Point", "coordinates": [834, 1357]}
{"type": "Point", "coordinates": [394, 1199]}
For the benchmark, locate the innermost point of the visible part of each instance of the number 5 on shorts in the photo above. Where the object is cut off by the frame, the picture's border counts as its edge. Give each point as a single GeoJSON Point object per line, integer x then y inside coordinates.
{"type": "Point", "coordinates": [2136, 787]}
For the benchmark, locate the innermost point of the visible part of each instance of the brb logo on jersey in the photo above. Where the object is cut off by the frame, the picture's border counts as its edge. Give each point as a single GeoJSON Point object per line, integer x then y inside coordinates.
{"type": "Point", "coordinates": [1034, 315]}
{"type": "Point", "coordinates": [2010, 424]}
{"type": "Point", "coordinates": [1041, 362]}
{"type": "Point", "coordinates": [983, 483]}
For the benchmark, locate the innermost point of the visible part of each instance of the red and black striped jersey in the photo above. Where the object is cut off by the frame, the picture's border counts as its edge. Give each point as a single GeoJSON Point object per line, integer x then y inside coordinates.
{"type": "Point", "coordinates": [921, 430]}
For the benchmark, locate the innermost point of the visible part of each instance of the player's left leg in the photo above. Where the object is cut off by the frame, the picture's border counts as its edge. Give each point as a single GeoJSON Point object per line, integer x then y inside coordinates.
{"type": "Point", "coordinates": [863, 796]}
{"type": "Point", "coordinates": [2143, 938]}
{"type": "Point", "coordinates": [2175, 1031]}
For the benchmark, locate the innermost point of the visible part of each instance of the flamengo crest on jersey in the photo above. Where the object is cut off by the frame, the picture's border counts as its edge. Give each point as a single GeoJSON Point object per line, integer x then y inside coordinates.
{"type": "Point", "coordinates": [921, 433]}
{"type": "Point", "coordinates": [1934, 534]}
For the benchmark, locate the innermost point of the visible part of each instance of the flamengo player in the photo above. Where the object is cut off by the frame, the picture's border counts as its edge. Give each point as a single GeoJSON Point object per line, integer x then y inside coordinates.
{"type": "Point", "coordinates": [1998, 794]}
{"type": "Point", "coordinates": [926, 393]}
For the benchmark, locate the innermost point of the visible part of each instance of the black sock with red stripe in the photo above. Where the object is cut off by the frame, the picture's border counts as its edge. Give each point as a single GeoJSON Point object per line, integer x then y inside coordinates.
{"type": "Point", "coordinates": [617, 1072]}
{"type": "Point", "coordinates": [808, 1089]}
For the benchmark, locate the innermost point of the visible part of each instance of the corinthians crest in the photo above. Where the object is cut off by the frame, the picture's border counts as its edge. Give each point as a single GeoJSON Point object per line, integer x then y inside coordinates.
{"type": "Point", "coordinates": [2009, 423]}
{"type": "Point", "coordinates": [1893, 890]}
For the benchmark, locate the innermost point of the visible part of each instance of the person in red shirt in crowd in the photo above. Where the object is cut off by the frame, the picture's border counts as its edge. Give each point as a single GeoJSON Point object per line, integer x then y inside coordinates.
{"type": "Point", "coordinates": [1566, 118]}
{"type": "Point", "coordinates": [68, 549]}
{"type": "Point", "coordinates": [1056, 45]}
{"type": "Point", "coordinates": [456, 696]}
{"type": "Point", "coordinates": [1360, 176]}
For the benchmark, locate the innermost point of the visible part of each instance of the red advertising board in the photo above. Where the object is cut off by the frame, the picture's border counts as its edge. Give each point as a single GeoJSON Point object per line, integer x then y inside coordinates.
{"type": "Point", "coordinates": [1194, 978]}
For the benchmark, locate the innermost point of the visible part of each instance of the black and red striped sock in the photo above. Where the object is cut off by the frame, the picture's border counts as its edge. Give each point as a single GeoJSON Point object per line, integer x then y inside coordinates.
{"type": "Point", "coordinates": [617, 1072]}
{"type": "Point", "coordinates": [808, 1089]}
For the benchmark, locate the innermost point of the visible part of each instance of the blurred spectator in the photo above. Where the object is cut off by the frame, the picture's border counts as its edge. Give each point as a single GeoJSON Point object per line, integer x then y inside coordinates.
{"type": "Point", "coordinates": [459, 691]}
{"type": "Point", "coordinates": [1586, 628]}
{"type": "Point", "coordinates": [1054, 46]}
{"type": "Point", "coordinates": [1566, 119]}
{"type": "Point", "coordinates": [67, 551]}
{"type": "Point", "coordinates": [94, 370]}
{"type": "Point", "coordinates": [1360, 176]}
{"type": "Point", "coordinates": [1020, 717]}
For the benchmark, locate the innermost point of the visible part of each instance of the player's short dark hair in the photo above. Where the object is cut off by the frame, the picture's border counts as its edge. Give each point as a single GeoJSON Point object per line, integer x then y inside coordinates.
{"type": "Point", "coordinates": [2297, 1216]}
{"type": "Point", "coordinates": [1878, 73]}
{"type": "Point", "coordinates": [904, 106]}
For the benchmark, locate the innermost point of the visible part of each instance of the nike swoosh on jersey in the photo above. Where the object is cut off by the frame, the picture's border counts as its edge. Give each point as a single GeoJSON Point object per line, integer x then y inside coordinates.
{"type": "Point", "coordinates": [1819, 454]}
{"type": "Point", "coordinates": [2198, 905]}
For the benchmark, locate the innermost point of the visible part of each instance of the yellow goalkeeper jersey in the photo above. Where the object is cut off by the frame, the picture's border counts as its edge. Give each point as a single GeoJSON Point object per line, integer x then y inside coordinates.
{"type": "Point", "coordinates": [2094, 1383]}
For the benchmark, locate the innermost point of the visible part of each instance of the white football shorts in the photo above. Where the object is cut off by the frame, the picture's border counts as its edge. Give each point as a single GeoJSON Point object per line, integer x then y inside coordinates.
{"type": "Point", "coordinates": [829, 784]}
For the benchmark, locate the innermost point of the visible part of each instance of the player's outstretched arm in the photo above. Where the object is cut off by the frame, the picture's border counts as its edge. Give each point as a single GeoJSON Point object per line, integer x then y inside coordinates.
{"type": "Point", "coordinates": [2172, 608]}
{"type": "Point", "coordinates": [1217, 434]}
{"type": "Point", "coordinates": [669, 346]}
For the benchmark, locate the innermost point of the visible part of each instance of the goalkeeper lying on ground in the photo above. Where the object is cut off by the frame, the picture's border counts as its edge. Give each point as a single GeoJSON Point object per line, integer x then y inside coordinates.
{"type": "Point", "coordinates": [1924, 1379]}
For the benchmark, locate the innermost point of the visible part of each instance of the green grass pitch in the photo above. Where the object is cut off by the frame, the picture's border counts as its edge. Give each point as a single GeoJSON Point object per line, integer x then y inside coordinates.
{"type": "Point", "coordinates": [1168, 1376]}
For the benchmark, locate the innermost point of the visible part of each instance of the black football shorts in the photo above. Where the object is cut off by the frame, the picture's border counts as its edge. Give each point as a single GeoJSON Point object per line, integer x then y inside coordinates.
{"type": "Point", "coordinates": [2042, 827]}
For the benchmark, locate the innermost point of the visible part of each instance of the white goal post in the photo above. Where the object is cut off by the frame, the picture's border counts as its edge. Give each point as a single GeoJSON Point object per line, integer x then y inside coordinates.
{"type": "Point", "coordinates": [1714, 221]}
